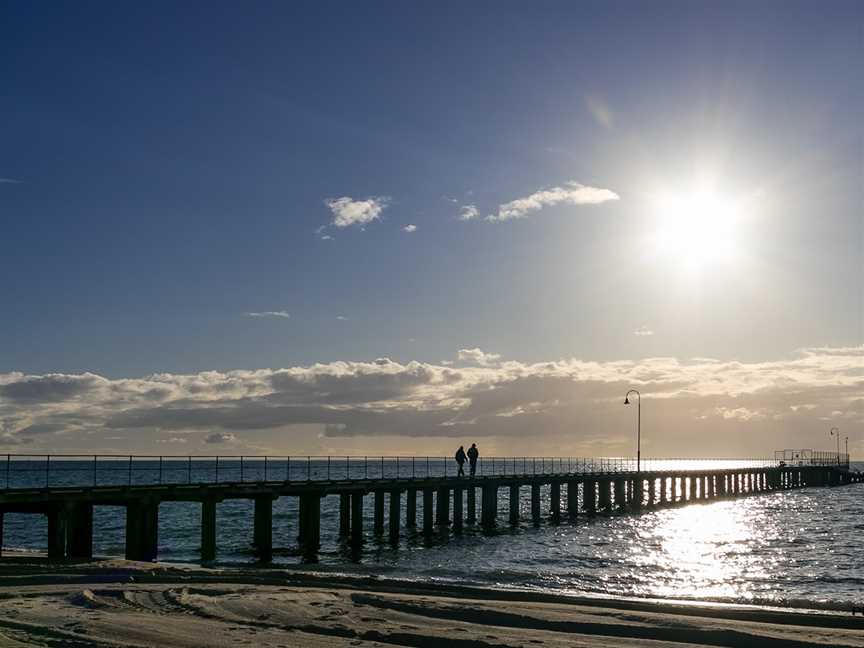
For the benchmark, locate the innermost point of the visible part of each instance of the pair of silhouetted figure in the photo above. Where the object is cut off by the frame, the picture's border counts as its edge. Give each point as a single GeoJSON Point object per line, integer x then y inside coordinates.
{"type": "Point", "coordinates": [471, 456]}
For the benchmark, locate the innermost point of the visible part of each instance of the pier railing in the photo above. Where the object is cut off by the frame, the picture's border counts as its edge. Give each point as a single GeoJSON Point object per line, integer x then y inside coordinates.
{"type": "Point", "coordinates": [18, 471]}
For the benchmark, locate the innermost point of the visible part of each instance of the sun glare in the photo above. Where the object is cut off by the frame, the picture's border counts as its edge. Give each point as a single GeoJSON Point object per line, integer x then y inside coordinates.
{"type": "Point", "coordinates": [696, 229]}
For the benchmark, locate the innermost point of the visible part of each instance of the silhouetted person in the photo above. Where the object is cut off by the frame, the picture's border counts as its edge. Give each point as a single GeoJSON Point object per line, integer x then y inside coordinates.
{"type": "Point", "coordinates": [460, 459]}
{"type": "Point", "coordinates": [473, 453]}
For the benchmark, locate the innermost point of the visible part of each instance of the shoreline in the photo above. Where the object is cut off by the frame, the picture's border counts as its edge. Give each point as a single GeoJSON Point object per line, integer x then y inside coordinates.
{"type": "Point", "coordinates": [310, 575]}
{"type": "Point", "coordinates": [119, 603]}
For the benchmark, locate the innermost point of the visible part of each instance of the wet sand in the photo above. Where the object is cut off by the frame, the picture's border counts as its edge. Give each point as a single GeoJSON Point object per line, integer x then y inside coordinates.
{"type": "Point", "coordinates": [121, 603]}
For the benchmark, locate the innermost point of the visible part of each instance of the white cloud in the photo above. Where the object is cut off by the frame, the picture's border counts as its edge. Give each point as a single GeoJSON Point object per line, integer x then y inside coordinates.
{"type": "Point", "coordinates": [409, 228]}
{"type": "Point", "coordinates": [9, 181]}
{"type": "Point", "coordinates": [341, 318]}
{"type": "Point", "coordinates": [701, 406]}
{"type": "Point", "coordinates": [477, 356]}
{"type": "Point", "coordinates": [643, 331]}
{"type": "Point", "coordinates": [468, 212]}
{"type": "Point", "coordinates": [572, 193]}
{"type": "Point", "coordinates": [281, 313]}
{"type": "Point", "coordinates": [347, 211]}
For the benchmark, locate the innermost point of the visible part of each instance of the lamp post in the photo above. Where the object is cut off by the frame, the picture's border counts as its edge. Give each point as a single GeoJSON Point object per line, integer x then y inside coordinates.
{"type": "Point", "coordinates": [836, 432]}
{"type": "Point", "coordinates": [638, 425]}
{"type": "Point", "coordinates": [846, 441]}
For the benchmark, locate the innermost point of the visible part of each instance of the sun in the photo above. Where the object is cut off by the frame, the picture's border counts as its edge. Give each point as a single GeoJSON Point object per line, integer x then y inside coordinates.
{"type": "Point", "coordinates": [696, 229]}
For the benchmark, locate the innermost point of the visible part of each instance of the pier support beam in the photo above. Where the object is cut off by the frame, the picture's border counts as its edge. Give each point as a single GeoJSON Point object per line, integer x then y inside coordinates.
{"type": "Point", "coordinates": [310, 525]}
{"type": "Point", "coordinates": [79, 531]}
{"type": "Point", "coordinates": [411, 508]}
{"type": "Point", "coordinates": [652, 491]}
{"type": "Point", "coordinates": [572, 498]}
{"type": "Point", "coordinates": [589, 496]}
{"type": "Point", "coordinates": [344, 514]}
{"type": "Point", "coordinates": [262, 534]}
{"type": "Point", "coordinates": [378, 515]}
{"type": "Point", "coordinates": [490, 506]}
{"type": "Point", "coordinates": [514, 504]}
{"type": "Point", "coordinates": [555, 500]}
{"type": "Point", "coordinates": [208, 530]}
{"type": "Point", "coordinates": [638, 491]}
{"type": "Point", "coordinates": [618, 489]}
{"type": "Point", "coordinates": [356, 520]}
{"type": "Point", "coordinates": [395, 512]}
{"type": "Point", "coordinates": [57, 520]}
{"type": "Point", "coordinates": [458, 514]}
{"type": "Point", "coordinates": [427, 511]}
{"type": "Point", "coordinates": [442, 513]}
{"type": "Point", "coordinates": [142, 530]}
{"type": "Point", "coordinates": [535, 503]}
{"type": "Point", "coordinates": [472, 504]}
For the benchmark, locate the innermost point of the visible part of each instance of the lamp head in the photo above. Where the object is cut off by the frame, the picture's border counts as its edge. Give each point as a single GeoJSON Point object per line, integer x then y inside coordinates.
{"type": "Point", "coordinates": [626, 400]}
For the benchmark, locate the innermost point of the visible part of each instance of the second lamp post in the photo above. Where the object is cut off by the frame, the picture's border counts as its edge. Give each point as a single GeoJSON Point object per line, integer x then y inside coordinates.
{"type": "Point", "coordinates": [638, 425]}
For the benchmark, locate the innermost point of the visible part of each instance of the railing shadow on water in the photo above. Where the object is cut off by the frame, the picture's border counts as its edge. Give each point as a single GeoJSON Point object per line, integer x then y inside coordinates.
{"type": "Point", "coordinates": [18, 471]}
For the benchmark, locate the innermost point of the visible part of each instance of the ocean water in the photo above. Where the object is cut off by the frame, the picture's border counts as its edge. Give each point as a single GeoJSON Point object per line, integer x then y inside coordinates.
{"type": "Point", "coordinates": [790, 548]}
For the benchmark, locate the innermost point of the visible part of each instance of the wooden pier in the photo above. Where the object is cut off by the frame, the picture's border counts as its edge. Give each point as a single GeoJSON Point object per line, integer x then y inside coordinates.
{"type": "Point", "coordinates": [449, 503]}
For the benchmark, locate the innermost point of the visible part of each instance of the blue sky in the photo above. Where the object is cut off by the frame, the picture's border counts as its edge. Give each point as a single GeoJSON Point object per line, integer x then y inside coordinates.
{"type": "Point", "coordinates": [166, 170]}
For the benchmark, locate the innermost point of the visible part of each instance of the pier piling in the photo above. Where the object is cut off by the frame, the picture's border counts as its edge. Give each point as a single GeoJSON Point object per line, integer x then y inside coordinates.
{"type": "Point", "coordinates": [262, 528]}
{"type": "Point", "coordinates": [208, 530]}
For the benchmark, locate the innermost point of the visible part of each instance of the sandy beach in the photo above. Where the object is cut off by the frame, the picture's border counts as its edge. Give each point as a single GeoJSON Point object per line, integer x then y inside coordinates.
{"type": "Point", "coordinates": [122, 603]}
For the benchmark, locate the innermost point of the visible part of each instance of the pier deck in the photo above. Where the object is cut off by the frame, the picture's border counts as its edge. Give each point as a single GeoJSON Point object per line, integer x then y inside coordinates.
{"type": "Point", "coordinates": [570, 487]}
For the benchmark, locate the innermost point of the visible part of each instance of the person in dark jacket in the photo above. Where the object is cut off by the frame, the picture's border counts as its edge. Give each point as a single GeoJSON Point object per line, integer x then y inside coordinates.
{"type": "Point", "coordinates": [460, 459]}
{"type": "Point", "coordinates": [473, 453]}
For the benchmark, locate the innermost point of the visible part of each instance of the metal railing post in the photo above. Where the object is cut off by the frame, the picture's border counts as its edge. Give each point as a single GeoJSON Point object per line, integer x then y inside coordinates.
{"type": "Point", "coordinates": [129, 479]}
{"type": "Point", "coordinates": [189, 470]}
{"type": "Point", "coordinates": [8, 468]}
{"type": "Point", "coordinates": [160, 469]}
{"type": "Point", "coordinates": [94, 470]}
{"type": "Point", "coordinates": [265, 468]}
{"type": "Point", "coordinates": [328, 467]}
{"type": "Point", "coordinates": [217, 469]}
{"type": "Point", "coordinates": [47, 469]}
{"type": "Point", "coordinates": [308, 468]}
{"type": "Point", "coordinates": [241, 469]}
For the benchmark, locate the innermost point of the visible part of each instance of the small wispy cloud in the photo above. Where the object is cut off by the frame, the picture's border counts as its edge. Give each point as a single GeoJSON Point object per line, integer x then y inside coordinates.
{"type": "Point", "coordinates": [468, 212]}
{"type": "Point", "coordinates": [409, 228]}
{"type": "Point", "coordinates": [643, 331]}
{"type": "Point", "coordinates": [599, 111]}
{"type": "Point", "coordinates": [220, 437]}
{"type": "Point", "coordinates": [281, 313]}
{"type": "Point", "coordinates": [572, 193]}
{"type": "Point", "coordinates": [9, 181]}
{"type": "Point", "coordinates": [347, 211]}
{"type": "Point", "coordinates": [341, 318]}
